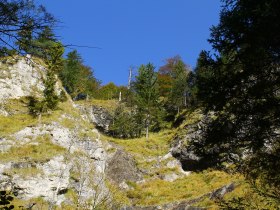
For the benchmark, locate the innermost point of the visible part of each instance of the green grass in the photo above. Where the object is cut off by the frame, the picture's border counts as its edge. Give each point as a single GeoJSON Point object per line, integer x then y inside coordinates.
{"type": "Point", "coordinates": [157, 191]}
{"type": "Point", "coordinates": [24, 172]}
{"type": "Point", "coordinates": [143, 149]}
{"type": "Point", "coordinates": [44, 151]}
{"type": "Point", "coordinates": [21, 118]}
{"type": "Point", "coordinates": [158, 144]}
{"type": "Point", "coordinates": [14, 123]}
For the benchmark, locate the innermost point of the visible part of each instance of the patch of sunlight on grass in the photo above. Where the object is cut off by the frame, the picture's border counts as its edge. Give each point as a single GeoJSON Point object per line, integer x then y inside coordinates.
{"type": "Point", "coordinates": [158, 191]}
{"type": "Point", "coordinates": [14, 123]}
{"type": "Point", "coordinates": [191, 117]}
{"type": "Point", "coordinates": [119, 197]}
{"type": "Point", "coordinates": [158, 144]}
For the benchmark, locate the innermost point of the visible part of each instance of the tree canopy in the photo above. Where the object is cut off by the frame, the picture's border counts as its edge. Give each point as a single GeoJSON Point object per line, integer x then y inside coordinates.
{"type": "Point", "coordinates": [241, 84]}
{"type": "Point", "coordinates": [20, 21]}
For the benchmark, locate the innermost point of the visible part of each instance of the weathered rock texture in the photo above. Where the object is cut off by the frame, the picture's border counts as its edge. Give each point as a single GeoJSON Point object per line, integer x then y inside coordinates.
{"type": "Point", "coordinates": [55, 179]}
{"type": "Point", "coordinates": [22, 76]}
{"type": "Point", "coordinates": [122, 168]}
{"type": "Point", "coordinates": [99, 116]}
{"type": "Point", "coordinates": [80, 164]}
{"type": "Point", "coordinates": [183, 149]}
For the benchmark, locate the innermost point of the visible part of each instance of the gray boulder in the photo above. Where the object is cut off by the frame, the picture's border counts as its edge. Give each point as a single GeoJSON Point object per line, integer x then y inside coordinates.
{"type": "Point", "coordinates": [121, 168]}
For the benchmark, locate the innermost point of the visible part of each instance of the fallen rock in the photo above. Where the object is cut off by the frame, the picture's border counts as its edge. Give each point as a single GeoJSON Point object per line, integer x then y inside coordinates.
{"type": "Point", "coordinates": [122, 167]}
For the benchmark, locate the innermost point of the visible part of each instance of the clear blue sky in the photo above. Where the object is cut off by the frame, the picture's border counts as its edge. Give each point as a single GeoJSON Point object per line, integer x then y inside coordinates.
{"type": "Point", "coordinates": [134, 32]}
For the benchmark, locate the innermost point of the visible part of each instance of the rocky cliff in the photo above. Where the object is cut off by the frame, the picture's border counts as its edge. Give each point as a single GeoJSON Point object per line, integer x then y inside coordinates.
{"type": "Point", "coordinates": [62, 161]}
{"type": "Point", "coordinates": [60, 157]}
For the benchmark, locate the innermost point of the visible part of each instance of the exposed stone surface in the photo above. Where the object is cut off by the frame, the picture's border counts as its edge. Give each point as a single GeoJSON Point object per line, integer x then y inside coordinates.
{"type": "Point", "coordinates": [55, 180]}
{"type": "Point", "coordinates": [97, 115]}
{"type": "Point", "coordinates": [85, 164]}
{"type": "Point", "coordinates": [121, 168]}
{"type": "Point", "coordinates": [20, 79]}
{"type": "Point", "coordinates": [170, 177]}
{"type": "Point", "coordinates": [182, 147]}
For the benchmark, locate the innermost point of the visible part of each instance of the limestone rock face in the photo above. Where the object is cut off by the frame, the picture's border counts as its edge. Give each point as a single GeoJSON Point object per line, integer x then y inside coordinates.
{"type": "Point", "coordinates": [19, 77]}
{"type": "Point", "coordinates": [55, 178]}
{"type": "Point", "coordinates": [76, 159]}
{"type": "Point", "coordinates": [98, 116]}
{"type": "Point", "coordinates": [22, 77]}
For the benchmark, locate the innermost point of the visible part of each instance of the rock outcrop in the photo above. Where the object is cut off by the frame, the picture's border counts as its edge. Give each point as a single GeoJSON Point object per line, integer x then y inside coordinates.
{"type": "Point", "coordinates": [63, 153]}
{"type": "Point", "coordinates": [122, 168]}
{"type": "Point", "coordinates": [97, 115]}
{"type": "Point", "coordinates": [55, 177]}
{"type": "Point", "coordinates": [22, 76]}
{"type": "Point", "coordinates": [183, 148]}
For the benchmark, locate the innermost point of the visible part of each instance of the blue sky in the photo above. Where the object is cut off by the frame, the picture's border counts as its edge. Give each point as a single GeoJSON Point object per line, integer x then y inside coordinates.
{"type": "Point", "coordinates": [134, 32]}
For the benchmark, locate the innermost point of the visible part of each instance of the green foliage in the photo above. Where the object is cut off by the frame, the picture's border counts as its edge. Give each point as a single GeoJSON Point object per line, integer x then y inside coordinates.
{"type": "Point", "coordinates": [54, 63]}
{"type": "Point", "coordinates": [179, 85]}
{"type": "Point", "coordinates": [25, 36]}
{"type": "Point", "coordinates": [4, 51]}
{"type": "Point", "coordinates": [5, 200]}
{"type": "Point", "coordinates": [20, 21]}
{"type": "Point", "coordinates": [125, 124]}
{"type": "Point", "coordinates": [77, 78]}
{"type": "Point", "coordinates": [50, 101]}
{"type": "Point", "coordinates": [242, 85]}
{"type": "Point", "coordinates": [54, 58]}
{"type": "Point", "coordinates": [36, 107]}
{"type": "Point", "coordinates": [45, 41]}
{"type": "Point", "coordinates": [39, 44]}
{"type": "Point", "coordinates": [145, 87]}
{"type": "Point", "coordinates": [108, 92]}
{"type": "Point", "coordinates": [173, 86]}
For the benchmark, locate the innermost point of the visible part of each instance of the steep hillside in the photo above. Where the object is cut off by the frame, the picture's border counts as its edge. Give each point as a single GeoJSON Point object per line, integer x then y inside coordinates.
{"type": "Point", "coordinates": [61, 160]}
{"type": "Point", "coordinates": [57, 160]}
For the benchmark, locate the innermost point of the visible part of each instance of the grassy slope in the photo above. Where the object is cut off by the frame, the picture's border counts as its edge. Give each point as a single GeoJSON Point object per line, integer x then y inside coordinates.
{"type": "Point", "coordinates": [41, 148]}
{"type": "Point", "coordinates": [146, 153]}
{"type": "Point", "coordinates": [156, 191]}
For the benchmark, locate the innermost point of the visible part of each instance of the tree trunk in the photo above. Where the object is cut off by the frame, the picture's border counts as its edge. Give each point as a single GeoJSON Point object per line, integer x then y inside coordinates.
{"type": "Point", "coordinates": [147, 126]}
{"type": "Point", "coordinates": [120, 96]}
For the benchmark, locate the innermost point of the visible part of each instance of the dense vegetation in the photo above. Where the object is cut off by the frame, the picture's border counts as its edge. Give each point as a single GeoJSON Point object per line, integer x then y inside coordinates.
{"type": "Point", "coordinates": [241, 84]}
{"type": "Point", "coordinates": [239, 81]}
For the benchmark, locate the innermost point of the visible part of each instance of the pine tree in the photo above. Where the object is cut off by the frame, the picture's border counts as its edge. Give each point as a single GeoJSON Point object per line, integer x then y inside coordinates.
{"type": "Point", "coordinates": [242, 85]}
{"type": "Point", "coordinates": [146, 93]}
